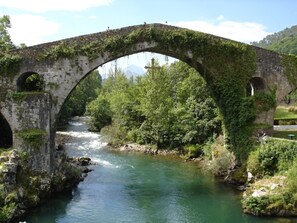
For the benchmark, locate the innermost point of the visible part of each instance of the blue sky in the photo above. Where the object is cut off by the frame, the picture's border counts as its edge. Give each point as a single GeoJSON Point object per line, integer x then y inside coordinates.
{"type": "Point", "coordinates": [39, 21]}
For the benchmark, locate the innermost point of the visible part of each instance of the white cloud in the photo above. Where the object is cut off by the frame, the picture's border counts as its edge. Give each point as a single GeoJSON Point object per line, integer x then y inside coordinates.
{"type": "Point", "coordinates": [31, 29]}
{"type": "Point", "coordinates": [92, 17]}
{"type": "Point", "coordinates": [240, 31]}
{"type": "Point", "coordinates": [39, 6]}
{"type": "Point", "coordinates": [220, 18]}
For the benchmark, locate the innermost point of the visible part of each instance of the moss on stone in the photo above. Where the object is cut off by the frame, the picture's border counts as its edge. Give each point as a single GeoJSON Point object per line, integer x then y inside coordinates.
{"type": "Point", "coordinates": [33, 137]}
{"type": "Point", "coordinates": [264, 101]}
{"type": "Point", "coordinates": [290, 65]}
{"type": "Point", "coordinates": [22, 96]}
{"type": "Point", "coordinates": [9, 63]}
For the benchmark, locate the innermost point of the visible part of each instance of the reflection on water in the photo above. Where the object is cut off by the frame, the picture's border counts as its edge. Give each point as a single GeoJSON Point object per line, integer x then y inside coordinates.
{"type": "Point", "coordinates": [139, 188]}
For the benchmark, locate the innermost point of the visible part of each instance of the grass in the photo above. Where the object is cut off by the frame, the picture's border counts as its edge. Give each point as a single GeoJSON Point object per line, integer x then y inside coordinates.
{"type": "Point", "coordinates": [283, 113]}
{"type": "Point", "coordinates": [284, 134]}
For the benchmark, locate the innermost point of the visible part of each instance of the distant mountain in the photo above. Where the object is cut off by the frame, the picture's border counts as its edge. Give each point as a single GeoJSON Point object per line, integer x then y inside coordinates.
{"type": "Point", "coordinates": [133, 70]}
{"type": "Point", "coordinates": [284, 41]}
{"type": "Point", "coordinates": [130, 71]}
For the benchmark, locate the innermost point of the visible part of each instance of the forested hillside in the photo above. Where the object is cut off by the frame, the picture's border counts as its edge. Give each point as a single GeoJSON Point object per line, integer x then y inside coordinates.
{"type": "Point", "coordinates": [284, 41]}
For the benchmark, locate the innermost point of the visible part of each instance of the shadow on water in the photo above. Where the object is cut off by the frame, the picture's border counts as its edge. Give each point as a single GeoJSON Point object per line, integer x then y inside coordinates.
{"type": "Point", "coordinates": [53, 208]}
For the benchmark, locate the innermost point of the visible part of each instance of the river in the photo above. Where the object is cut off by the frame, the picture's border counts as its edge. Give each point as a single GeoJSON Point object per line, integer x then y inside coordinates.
{"type": "Point", "coordinates": [140, 188]}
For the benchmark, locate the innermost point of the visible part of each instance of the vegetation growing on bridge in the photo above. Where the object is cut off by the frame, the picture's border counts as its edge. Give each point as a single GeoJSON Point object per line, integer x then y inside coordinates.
{"type": "Point", "coordinates": [33, 137]}
{"type": "Point", "coordinates": [22, 96]}
{"type": "Point", "coordinates": [290, 65]}
{"type": "Point", "coordinates": [226, 66]}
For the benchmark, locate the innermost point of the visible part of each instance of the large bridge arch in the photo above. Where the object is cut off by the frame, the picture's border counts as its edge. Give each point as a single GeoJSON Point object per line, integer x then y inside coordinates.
{"type": "Point", "coordinates": [141, 47]}
{"type": "Point", "coordinates": [227, 66]}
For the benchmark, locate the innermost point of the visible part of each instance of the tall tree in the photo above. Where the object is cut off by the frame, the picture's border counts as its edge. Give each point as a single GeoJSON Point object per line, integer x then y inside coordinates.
{"type": "Point", "coordinates": [86, 91]}
{"type": "Point", "coordinates": [5, 41]}
{"type": "Point", "coordinates": [168, 107]}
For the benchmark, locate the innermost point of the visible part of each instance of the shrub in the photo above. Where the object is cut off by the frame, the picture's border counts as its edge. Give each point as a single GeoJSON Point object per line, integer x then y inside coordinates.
{"type": "Point", "coordinates": [6, 212]}
{"type": "Point", "coordinates": [114, 134]}
{"type": "Point", "coordinates": [272, 156]}
{"type": "Point", "coordinates": [271, 204]}
{"type": "Point", "coordinates": [253, 163]}
{"type": "Point", "coordinates": [292, 177]}
{"type": "Point", "coordinates": [256, 205]}
{"type": "Point", "coordinates": [193, 150]}
{"type": "Point", "coordinates": [222, 159]}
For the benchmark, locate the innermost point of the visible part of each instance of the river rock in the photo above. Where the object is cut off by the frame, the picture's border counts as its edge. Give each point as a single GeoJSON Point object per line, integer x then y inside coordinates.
{"type": "Point", "coordinates": [260, 192]}
{"type": "Point", "coordinates": [84, 161]}
{"type": "Point", "coordinates": [146, 149]}
{"type": "Point", "coordinates": [237, 176]}
{"type": "Point", "coordinates": [250, 177]}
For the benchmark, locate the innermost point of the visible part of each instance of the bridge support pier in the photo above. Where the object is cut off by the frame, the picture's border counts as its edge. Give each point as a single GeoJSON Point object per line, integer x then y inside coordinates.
{"type": "Point", "coordinates": [32, 129]}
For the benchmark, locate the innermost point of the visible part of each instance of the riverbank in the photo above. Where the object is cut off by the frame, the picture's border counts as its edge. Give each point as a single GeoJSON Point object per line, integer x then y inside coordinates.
{"type": "Point", "coordinates": [146, 149]}
{"type": "Point", "coordinates": [261, 195]}
{"type": "Point", "coordinates": [152, 150]}
{"type": "Point", "coordinates": [221, 165]}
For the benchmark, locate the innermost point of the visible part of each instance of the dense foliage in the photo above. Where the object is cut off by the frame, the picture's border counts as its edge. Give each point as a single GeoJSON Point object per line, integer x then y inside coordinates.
{"type": "Point", "coordinates": [168, 108]}
{"type": "Point", "coordinates": [284, 41]}
{"type": "Point", "coordinates": [86, 91]}
{"type": "Point", "coordinates": [5, 41]}
{"type": "Point", "coordinates": [273, 156]}
{"type": "Point", "coordinates": [275, 163]}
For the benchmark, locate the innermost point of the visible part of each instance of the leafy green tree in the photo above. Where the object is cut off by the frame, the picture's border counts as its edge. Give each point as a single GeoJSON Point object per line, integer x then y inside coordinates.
{"type": "Point", "coordinates": [86, 91]}
{"type": "Point", "coordinates": [100, 112]}
{"type": "Point", "coordinates": [120, 94]}
{"type": "Point", "coordinates": [5, 41]}
{"type": "Point", "coordinates": [168, 108]}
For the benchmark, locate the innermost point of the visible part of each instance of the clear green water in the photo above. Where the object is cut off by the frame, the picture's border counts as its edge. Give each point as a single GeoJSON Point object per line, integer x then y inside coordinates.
{"type": "Point", "coordinates": [139, 188]}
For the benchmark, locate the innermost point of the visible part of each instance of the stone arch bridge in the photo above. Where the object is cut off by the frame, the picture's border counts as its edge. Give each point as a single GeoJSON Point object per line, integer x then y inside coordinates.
{"type": "Point", "coordinates": [245, 81]}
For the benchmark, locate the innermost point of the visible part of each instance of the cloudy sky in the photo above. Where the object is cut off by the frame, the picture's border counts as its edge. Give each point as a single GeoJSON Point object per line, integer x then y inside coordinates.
{"type": "Point", "coordinates": [39, 21]}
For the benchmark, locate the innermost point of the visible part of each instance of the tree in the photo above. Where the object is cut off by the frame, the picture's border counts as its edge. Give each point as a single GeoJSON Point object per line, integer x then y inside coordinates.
{"type": "Point", "coordinates": [5, 41]}
{"type": "Point", "coordinates": [284, 41]}
{"type": "Point", "coordinates": [169, 109]}
{"type": "Point", "coordinates": [86, 91]}
{"type": "Point", "coordinates": [100, 112]}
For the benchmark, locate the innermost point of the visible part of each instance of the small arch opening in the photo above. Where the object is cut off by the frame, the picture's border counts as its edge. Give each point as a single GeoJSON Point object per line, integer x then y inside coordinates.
{"type": "Point", "coordinates": [255, 84]}
{"type": "Point", "coordinates": [30, 81]}
{"type": "Point", "coordinates": [5, 133]}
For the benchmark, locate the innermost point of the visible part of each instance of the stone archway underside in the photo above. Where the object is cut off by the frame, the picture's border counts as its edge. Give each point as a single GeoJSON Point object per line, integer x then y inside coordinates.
{"type": "Point", "coordinates": [5, 133]}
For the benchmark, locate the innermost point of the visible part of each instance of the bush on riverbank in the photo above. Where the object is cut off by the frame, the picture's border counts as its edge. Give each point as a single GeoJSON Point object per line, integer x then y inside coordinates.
{"type": "Point", "coordinates": [221, 160]}
{"type": "Point", "coordinates": [271, 157]}
{"type": "Point", "coordinates": [274, 164]}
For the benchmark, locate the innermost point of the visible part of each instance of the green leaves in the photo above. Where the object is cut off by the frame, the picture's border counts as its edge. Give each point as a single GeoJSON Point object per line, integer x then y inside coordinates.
{"type": "Point", "coordinates": [168, 108]}
{"type": "Point", "coordinates": [82, 94]}
{"type": "Point", "coordinates": [5, 41]}
{"type": "Point", "coordinates": [100, 111]}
